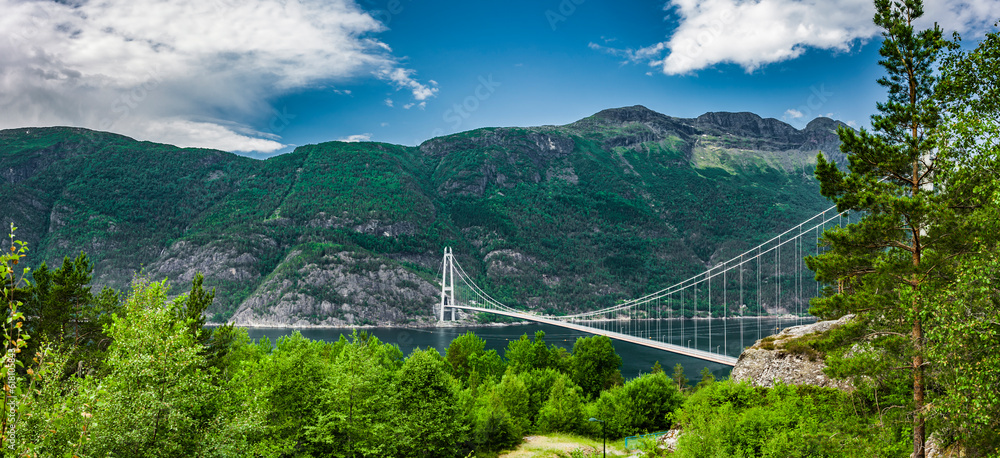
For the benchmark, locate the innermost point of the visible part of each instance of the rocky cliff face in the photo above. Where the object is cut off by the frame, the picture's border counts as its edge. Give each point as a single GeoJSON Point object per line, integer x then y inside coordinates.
{"type": "Point", "coordinates": [182, 260]}
{"type": "Point", "coordinates": [769, 361]}
{"type": "Point", "coordinates": [316, 287]}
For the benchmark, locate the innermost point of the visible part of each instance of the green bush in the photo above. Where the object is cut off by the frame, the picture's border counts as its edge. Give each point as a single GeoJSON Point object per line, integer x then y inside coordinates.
{"type": "Point", "coordinates": [735, 419]}
{"type": "Point", "coordinates": [643, 405]}
{"type": "Point", "coordinates": [563, 410]}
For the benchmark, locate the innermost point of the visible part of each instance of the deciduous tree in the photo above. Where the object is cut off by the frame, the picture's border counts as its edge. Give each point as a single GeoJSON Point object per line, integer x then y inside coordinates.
{"type": "Point", "coordinates": [427, 420]}
{"type": "Point", "coordinates": [966, 313]}
{"type": "Point", "coordinates": [596, 365]}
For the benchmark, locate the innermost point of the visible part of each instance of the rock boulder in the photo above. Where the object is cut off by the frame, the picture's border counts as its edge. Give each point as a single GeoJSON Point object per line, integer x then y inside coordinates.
{"type": "Point", "coordinates": [768, 362]}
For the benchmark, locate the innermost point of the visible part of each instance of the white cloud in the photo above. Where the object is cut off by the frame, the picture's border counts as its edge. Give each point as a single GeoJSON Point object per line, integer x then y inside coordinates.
{"type": "Point", "coordinates": [357, 138]}
{"type": "Point", "coordinates": [792, 113]}
{"type": "Point", "coordinates": [186, 133]}
{"type": "Point", "coordinates": [388, 102]}
{"type": "Point", "coordinates": [974, 16]}
{"type": "Point", "coordinates": [403, 79]}
{"type": "Point", "coordinates": [408, 106]}
{"type": "Point", "coordinates": [384, 124]}
{"type": "Point", "coordinates": [754, 33]}
{"type": "Point", "coordinates": [190, 72]}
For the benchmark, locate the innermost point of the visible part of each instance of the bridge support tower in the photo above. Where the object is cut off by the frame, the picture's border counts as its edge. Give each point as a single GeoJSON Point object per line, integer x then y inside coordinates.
{"type": "Point", "coordinates": [447, 285]}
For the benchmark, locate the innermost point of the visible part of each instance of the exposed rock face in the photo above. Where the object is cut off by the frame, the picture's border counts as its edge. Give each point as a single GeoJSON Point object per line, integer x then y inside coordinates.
{"type": "Point", "coordinates": [749, 124]}
{"type": "Point", "coordinates": [215, 261]}
{"type": "Point", "coordinates": [767, 362]}
{"type": "Point", "coordinates": [660, 124]}
{"type": "Point", "coordinates": [339, 289]}
{"type": "Point", "coordinates": [386, 229]}
{"type": "Point", "coordinates": [505, 263]}
{"type": "Point", "coordinates": [772, 134]}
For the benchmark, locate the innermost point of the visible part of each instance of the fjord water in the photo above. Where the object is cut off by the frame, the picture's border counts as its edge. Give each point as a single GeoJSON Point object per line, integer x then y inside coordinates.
{"type": "Point", "coordinates": [730, 336]}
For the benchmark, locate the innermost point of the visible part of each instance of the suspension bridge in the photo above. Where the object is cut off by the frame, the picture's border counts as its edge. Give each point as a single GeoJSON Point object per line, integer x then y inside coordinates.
{"type": "Point", "coordinates": [766, 285]}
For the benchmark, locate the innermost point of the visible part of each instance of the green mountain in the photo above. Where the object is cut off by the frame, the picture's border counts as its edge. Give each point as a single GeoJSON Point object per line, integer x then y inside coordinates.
{"type": "Point", "coordinates": [554, 218]}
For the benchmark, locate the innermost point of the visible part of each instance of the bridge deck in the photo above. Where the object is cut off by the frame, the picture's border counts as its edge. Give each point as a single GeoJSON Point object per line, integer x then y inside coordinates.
{"type": "Point", "coordinates": [700, 354]}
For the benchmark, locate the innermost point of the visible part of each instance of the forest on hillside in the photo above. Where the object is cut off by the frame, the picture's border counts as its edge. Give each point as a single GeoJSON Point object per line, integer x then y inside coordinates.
{"type": "Point", "coordinates": [555, 218]}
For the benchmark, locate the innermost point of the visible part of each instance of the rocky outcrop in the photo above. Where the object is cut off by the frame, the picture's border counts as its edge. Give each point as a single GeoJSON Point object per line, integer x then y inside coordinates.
{"type": "Point", "coordinates": [768, 361]}
{"type": "Point", "coordinates": [338, 289]}
{"type": "Point", "coordinates": [216, 261]}
{"type": "Point", "coordinates": [636, 125]}
{"type": "Point", "coordinates": [669, 440]}
{"type": "Point", "coordinates": [658, 123]}
{"type": "Point", "coordinates": [507, 263]}
{"type": "Point", "coordinates": [751, 126]}
{"type": "Point", "coordinates": [934, 449]}
{"type": "Point", "coordinates": [386, 229]}
{"type": "Point", "coordinates": [762, 133]}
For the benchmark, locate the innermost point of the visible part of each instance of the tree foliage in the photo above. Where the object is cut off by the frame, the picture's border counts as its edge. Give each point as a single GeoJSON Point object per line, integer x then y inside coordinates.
{"type": "Point", "coordinates": [679, 378]}
{"type": "Point", "coordinates": [563, 411]}
{"type": "Point", "coordinates": [966, 312]}
{"type": "Point", "coordinates": [735, 419]}
{"type": "Point", "coordinates": [525, 354]}
{"type": "Point", "coordinates": [643, 405]}
{"type": "Point", "coordinates": [159, 398]}
{"type": "Point", "coordinates": [356, 400]}
{"type": "Point", "coordinates": [596, 366]}
{"type": "Point", "coordinates": [425, 408]}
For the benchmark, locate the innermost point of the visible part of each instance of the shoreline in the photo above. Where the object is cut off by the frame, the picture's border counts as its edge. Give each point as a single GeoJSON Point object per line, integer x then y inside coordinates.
{"type": "Point", "coordinates": [455, 324]}
{"type": "Point", "coordinates": [371, 326]}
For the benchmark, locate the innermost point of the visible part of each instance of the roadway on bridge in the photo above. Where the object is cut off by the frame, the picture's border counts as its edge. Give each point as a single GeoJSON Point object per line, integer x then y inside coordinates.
{"type": "Point", "coordinates": [700, 354]}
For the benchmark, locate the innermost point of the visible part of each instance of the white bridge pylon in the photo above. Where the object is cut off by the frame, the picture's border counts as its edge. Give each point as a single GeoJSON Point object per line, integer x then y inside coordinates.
{"type": "Point", "coordinates": [765, 282]}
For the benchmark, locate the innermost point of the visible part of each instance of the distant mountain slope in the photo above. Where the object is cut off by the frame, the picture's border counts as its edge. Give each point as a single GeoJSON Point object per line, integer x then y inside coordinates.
{"type": "Point", "coordinates": [554, 218]}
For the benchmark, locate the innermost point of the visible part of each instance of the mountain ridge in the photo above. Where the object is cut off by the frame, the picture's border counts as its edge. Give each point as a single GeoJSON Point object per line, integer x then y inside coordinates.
{"type": "Point", "coordinates": [604, 208]}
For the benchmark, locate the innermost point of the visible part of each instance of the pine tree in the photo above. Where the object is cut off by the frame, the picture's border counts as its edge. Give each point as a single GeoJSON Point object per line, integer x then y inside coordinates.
{"type": "Point", "coordinates": [192, 307]}
{"type": "Point", "coordinates": [881, 264]}
{"type": "Point", "coordinates": [680, 378]}
{"type": "Point", "coordinates": [707, 378]}
{"type": "Point", "coordinates": [59, 299]}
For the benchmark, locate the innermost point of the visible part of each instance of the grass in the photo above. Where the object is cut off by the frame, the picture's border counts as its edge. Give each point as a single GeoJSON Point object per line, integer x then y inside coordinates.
{"type": "Point", "coordinates": [561, 445]}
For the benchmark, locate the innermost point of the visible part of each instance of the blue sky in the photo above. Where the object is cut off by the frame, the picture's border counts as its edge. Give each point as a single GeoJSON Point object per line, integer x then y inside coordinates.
{"type": "Point", "coordinates": [542, 75]}
{"type": "Point", "coordinates": [268, 75]}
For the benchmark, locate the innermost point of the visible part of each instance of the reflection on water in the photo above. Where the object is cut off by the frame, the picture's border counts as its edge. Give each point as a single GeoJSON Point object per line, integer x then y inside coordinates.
{"type": "Point", "coordinates": [717, 335]}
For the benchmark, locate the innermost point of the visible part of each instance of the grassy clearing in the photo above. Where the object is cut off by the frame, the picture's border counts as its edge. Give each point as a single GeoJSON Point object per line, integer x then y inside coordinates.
{"type": "Point", "coordinates": [559, 445]}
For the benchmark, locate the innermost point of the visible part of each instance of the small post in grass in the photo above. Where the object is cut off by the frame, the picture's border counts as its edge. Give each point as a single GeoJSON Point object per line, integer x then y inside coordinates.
{"type": "Point", "coordinates": [603, 436]}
